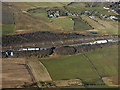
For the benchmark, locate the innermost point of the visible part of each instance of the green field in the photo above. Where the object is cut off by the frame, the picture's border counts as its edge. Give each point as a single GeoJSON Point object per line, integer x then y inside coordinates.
{"type": "Point", "coordinates": [66, 23]}
{"type": "Point", "coordinates": [47, 4]}
{"type": "Point", "coordinates": [80, 7]}
{"type": "Point", "coordinates": [105, 60]}
{"type": "Point", "coordinates": [8, 29]}
{"type": "Point", "coordinates": [102, 26]}
{"type": "Point", "coordinates": [80, 25]}
{"type": "Point", "coordinates": [39, 12]}
{"type": "Point", "coordinates": [71, 67]}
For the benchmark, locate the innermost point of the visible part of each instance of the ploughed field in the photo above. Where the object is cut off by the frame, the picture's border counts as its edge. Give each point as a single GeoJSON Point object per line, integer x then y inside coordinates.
{"type": "Point", "coordinates": [39, 71]}
{"type": "Point", "coordinates": [14, 73]}
{"type": "Point", "coordinates": [78, 66]}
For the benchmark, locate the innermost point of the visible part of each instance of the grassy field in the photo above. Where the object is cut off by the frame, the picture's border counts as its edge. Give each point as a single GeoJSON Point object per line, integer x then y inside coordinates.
{"type": "Point", "coordinates": [22, 5]}
{"type": "Point", "coordinates": [37, 19]}
{"type": "Point", "coordinates": [47, 4]}
{"type": "Point", "coordinates": [80, 25]}
{"type": "Point", "coordinates": [105, 60]}
{"type": "Point", "coordinates": [65, 22]}
{"type": "Point", "coordinates": [39, 12]}
{"type": "Point", "coordinates": [44, 15]}
{"type": "Point", "coordinates": [71, 67]}
{"type": "Point", "coordinates": [80, 7]}
{"type": "Point", "coordinates": [8, 29]}
{"type": "Point", "coordinates": [101, 25]}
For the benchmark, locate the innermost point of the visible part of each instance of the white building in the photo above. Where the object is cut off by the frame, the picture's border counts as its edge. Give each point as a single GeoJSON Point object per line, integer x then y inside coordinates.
{"type": "Point", "coordinates": [100, 41]}
{"type": "Point", "coordinates": [11, 53]}
{"type": "Point", "coordinates": [113, 17]}
{"type": "Point", "coordinates": [106, 8]}
{"type": "Point", "coordinates": [92, 17]}
{"type": "Point", "coordinates": [51, 15]}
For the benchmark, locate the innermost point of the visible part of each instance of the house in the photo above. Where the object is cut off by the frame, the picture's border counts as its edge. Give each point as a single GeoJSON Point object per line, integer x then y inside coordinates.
{"type": "Point", "coordinates": [69, 14]}
{"type": "Point", "coordinates": [113, 17]}
{"type": "Point", "coordinates": [86, 11]}
{"type": "Point", "coordinates": [112, 10]}
{"type": "Point", "coordinates": [56, 15]}
{"type": "Point", "coordinates": [106, 8]}
{"type": "Point", "coordinates": [9, 53]}
{"type": "Point", "coordinates": [92, 17]}
{"type": "Point", "coordinates": [51, 15]}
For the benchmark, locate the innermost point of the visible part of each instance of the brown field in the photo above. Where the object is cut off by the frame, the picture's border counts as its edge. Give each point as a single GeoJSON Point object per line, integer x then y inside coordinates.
{"type": "Point", "coordinates": [22, 5]}
{"type": "Point", "coordinates": [111, 81]}
{"type": "Point", "coordinates": [14, 72]}
{"type": "Point", "coordinates": [39, 71]}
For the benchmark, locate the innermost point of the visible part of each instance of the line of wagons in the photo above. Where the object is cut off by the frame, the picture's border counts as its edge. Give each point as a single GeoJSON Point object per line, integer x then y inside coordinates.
{"type": "Point", "coordinates": [10, 52]}
{"type": "Point", "coordinates": [97, 42]}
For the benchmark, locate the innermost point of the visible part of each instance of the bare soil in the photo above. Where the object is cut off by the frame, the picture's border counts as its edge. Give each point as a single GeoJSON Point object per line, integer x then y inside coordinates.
{"type": "Point", "coordinates": [111, 81]}
{"type": "Point", "coordinates": [14, 72]}
{"type": "Point", "coordinates": [39, 70]}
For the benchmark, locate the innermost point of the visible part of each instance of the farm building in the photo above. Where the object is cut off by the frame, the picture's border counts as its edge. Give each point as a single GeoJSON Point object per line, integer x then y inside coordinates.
{"type": "Point", "coordinates": [100, 41]}
{"type": "Point", "coordinates": [113, 17]}
{"type": "Point", "coordinates": [106, 8]}
{"type": "Point", "coordinates": [92, 17]}
{"type": "Point", "coordinates": [8, 53]}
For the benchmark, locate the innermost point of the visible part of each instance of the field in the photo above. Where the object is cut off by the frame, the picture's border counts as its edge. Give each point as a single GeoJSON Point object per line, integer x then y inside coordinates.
{"type": "Point", "coordinates": [96, 7]}
{"type": "Point", "coordinates": [40, 12]}
{"type": "Point", "coordinates": [36, 18]}
{"type": "Point", "coordinates": [72, 67]}
{"type": "Point", "coordinates": [21, 5]}
{"type": "Point", "coordinates": [105, 60]}
{"type": "Point", "coordinates": [47, 4]}
{"type": "Point", "coordinates": [79, 67]}
{"type": "Point", "coordinates": [14, 73]}
{"type": "Point", "coordinates": [39, 71]}
{"type": "Point", "coordinates": [101, 25]}
{"type": "Point", "coordinates": [80, 25]}
{"type": "Point", "coordinates": [65, 22]}
{"type": "Point", "coordinates": [8, 29]}
{"type": "Point", "coordinates": [7, 15]}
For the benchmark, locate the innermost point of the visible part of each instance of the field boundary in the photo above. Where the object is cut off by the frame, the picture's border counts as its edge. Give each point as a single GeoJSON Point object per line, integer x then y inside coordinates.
{"type": "Point", "coordinates": [93, 66]}
{"type": "Point", "coordinates": [30, 72]}
{"type": "Point", "coordinates": [46, 70]}
{"type": "Point", "coordinates": [39, 71]}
